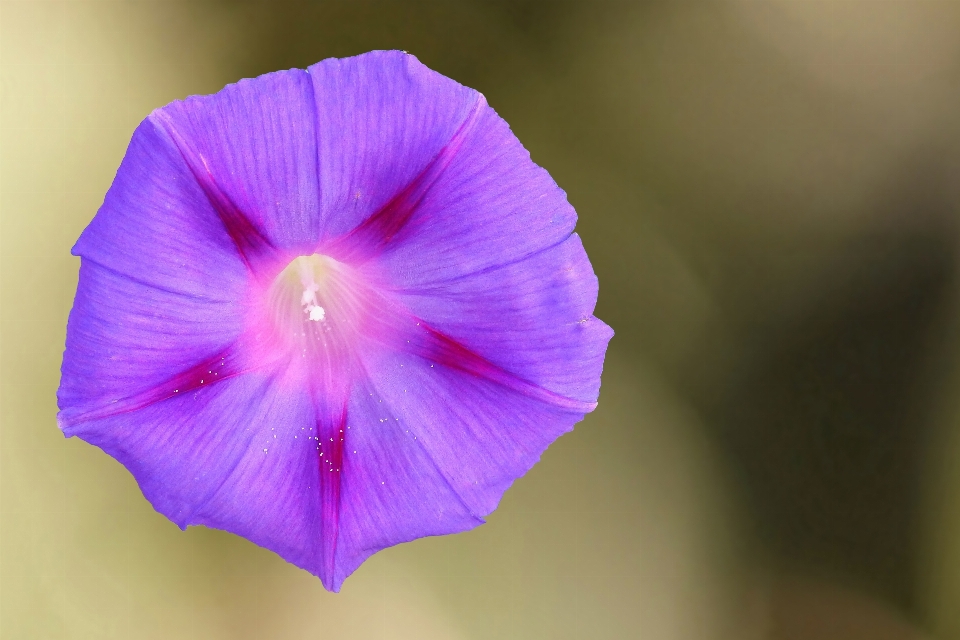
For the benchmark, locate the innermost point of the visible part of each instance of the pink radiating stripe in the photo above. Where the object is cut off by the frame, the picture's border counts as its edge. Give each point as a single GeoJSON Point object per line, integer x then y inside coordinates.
{"type": "Point", "coordinates": [252, 245]}
{"type": "Point", "coordinates": [207, 373]}
{"type": "Point", "coordinates": [372, 235]}
{"type": "Point", "coordinates": [441, 349]}
{"type": "Point", "coordinates": [332, 435]}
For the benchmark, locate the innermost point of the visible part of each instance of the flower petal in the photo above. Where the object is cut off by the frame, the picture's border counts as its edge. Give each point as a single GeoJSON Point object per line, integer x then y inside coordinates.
{"type": "Point", "coordinates": [478, 435]}
{"type": "Point", "coordinates": [426, 167]}
{"type": "Point", "coordinates": [129, 346]}
{"type": "Point", "coordinates": [488, 372]}
{"type": "Point", "coordinates": [243, 455]}
{"type": "Point", "coordinates": [532, 318]}
{"type": "Point", "coordinates": [156, 225]}
{"type": "Point", "coordinates": [382, 118]}
{"type": "Point", "coordinates": [161, 284]}
{"type": "Point", "coordinates": [392, 490]}
{"type": "Point", "coordinates": [489, 206]}
{"type": "Point", "coordinates": [253, 147]}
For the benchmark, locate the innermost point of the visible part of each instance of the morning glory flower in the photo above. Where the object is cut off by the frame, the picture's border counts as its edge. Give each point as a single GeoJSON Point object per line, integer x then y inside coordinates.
{"type": "Point", "coordinates": [330, 310]}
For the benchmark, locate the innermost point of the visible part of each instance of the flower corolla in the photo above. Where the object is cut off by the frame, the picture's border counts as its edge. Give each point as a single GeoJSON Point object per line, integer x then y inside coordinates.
{"type": "Point", "coordinates": [330, 310]}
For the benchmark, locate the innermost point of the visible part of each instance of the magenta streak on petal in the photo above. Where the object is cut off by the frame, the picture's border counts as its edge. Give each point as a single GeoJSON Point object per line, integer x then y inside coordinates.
{"type": "Point", "coordinates": [372, 235]}
{"type": "Point", "coordinates": [331, 434]}
{"type": "Point", "coordinates": [441, 349]}
{"type": "Point", "coordinates": [251, 244]}
{"type": "Point", "coordinates": [205, 374]}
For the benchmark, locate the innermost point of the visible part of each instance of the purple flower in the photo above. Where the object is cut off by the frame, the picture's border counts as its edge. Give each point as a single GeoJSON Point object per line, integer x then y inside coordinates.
{"type": "Point", "coordinates": [330, 311]}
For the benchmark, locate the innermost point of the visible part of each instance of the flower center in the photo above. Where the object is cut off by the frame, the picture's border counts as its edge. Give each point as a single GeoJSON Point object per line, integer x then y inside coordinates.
{"type": "Point", "coordinates": [316, 306]}
{"type": "Point", "coordinates": [305, 275]}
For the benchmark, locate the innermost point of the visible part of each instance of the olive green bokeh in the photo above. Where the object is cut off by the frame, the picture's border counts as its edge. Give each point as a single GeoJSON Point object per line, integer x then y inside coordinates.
{"type": "Point", "coordinates": [767, 191]}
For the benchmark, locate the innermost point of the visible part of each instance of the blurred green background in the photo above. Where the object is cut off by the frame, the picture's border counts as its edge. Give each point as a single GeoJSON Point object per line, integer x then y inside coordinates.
{"type": "Point", "coordinates": [768, 192]}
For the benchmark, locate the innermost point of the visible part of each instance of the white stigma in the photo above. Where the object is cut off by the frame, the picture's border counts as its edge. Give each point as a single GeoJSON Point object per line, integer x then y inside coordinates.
{"type": "Point", "coordinates": [309, 298]}
{"type": "Point", "coordinates": [316, 312]}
